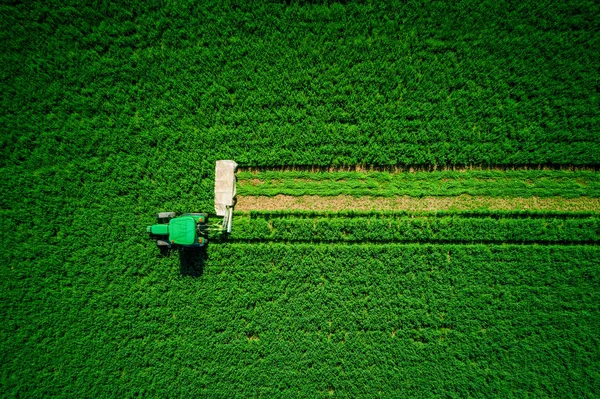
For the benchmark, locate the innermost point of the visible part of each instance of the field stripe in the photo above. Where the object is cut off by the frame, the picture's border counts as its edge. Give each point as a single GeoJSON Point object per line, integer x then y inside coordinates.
{"type": "Point", "coordinates": [492, 183]}
{"type": "Point", "coordinates": [407, 203]}
{"type": "Point", "coordinates": [417, 168]}
{"type": "Point", "coordinates": [450, 229]}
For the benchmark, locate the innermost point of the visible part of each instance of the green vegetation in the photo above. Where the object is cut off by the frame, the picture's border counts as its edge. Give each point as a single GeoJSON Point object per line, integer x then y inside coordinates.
{"type": "Point", "coordinates": [113, 112]}
{"type": "Point", "coordinates": [457, 229]}
{"type": "Point", "coordinates": [490, 183]}
{"type": "Point", "coordinates": [306, 319]}
{"type": "Point", "coordinates": [375, 83]}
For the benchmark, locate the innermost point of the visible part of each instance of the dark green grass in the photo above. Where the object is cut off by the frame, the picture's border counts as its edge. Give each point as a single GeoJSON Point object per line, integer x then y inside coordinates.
{"type": "Point", "coordinates": [110, 113]}
{"type": "Point", "coordinates": [492, 183]}
{"type": "Point", "coordinates": [375, 83]}
{"type": "Point", "coordinates": [305, 321]}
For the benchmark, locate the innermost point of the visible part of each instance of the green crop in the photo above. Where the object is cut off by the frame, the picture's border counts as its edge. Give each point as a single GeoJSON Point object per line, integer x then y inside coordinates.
{"type": "Point", "coordinates": [420, 229]}
{"type": "Point", "coordinates": [272, 84]}
{"type": "Point", "coordinates": [113, 112]}
{"type": "Point", "coordinates": [305, 320]}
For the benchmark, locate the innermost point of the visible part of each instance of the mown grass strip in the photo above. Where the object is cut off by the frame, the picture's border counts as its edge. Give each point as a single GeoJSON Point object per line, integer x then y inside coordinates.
{"type": "Point", "coordinates": [406, 203]}
{"type": "Point", "coordinates": [492, 183]}
{"type": "Point", "coordinates": [446, 229]}
{"type": "Point", "coordinates": [494, 214]}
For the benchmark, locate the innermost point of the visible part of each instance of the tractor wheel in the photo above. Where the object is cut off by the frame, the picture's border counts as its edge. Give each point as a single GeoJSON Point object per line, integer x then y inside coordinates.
{"type": "Point", "coordinates": [166, 216]}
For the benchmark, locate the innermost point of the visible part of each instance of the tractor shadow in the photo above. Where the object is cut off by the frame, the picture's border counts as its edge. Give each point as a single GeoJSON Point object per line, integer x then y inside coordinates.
{"type": "Point", "coordinates": [191, 261]}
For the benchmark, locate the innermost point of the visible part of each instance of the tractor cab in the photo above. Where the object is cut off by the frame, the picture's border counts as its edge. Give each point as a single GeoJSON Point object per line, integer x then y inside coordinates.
{"type": "Point", "coordinates": [187, 230]}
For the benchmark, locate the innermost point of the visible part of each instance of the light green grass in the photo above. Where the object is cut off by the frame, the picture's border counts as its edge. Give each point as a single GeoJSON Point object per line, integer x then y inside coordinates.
{"type": "Point", "coordinates": [490, 227]}
{"type": "Point", "coordinates": [493, 183]}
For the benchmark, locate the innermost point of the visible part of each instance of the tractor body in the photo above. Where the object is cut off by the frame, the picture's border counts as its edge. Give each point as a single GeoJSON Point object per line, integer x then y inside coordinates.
{"type": "Point", "coordinates": [188, 230]}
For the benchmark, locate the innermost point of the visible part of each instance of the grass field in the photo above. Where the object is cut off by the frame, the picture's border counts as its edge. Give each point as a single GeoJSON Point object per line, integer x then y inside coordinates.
{"type": "Point", "coordinates": [419, 194]}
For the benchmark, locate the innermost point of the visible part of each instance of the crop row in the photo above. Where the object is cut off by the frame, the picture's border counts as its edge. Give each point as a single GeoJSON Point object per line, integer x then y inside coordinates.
{"type": "Point", "coordinates": [375, 214]}
{"type": "Point", "coordinates": [412, 229]}
{"type": "Point", "coordinates": [461, 203]}
{"type": "Point", "coordinates": [509, 183]}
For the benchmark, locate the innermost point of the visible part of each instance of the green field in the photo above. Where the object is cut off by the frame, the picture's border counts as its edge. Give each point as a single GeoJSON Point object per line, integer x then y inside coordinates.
{"type": "Point", "coordinates": [111, 113]}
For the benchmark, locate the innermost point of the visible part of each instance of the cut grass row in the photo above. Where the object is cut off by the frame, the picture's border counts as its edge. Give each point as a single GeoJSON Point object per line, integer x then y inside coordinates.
{"type": "Point", "coordinates": [406, 203]}
{"type": "Point", "coordinates": [491, 228]}
{"type": "Point", "coordinates": [490, 183]}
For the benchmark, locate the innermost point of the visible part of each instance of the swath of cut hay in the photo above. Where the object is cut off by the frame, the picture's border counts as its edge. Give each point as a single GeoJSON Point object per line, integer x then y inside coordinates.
{"type": "Point", "coordinates": [406, 203]}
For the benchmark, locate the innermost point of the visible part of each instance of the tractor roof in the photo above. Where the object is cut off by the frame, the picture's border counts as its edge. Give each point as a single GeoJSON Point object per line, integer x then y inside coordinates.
{"type": "Point", "coordinates": [182, 230]}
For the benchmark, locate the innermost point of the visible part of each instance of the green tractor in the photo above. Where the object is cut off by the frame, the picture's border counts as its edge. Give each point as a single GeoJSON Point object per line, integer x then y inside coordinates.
{"type": "Point", "coordinates": [189, 230]}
